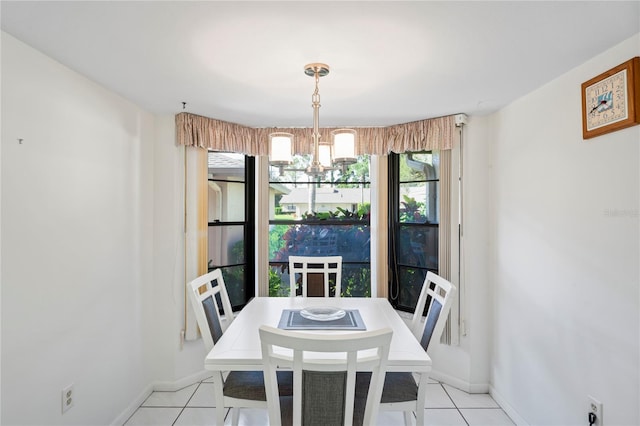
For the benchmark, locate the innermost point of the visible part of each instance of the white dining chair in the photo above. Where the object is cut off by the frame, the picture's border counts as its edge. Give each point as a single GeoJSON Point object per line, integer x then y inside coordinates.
{"type": "Point", "coordinates": [206, 293]}
{"type": "Point", "coordinates": [400, 390]}
{"type": "Point", "coordinates": [241, 389]}
{"type": "Point", "coordinates": [324, 375]}
{"type": "Point", "coordinates": [328, 268]}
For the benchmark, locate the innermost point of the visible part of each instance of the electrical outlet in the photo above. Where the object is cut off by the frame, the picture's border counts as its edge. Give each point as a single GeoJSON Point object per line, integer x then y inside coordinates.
{"type": "Point", "coordinates": [595, 407]}
{"type": "Point", "coordinates": [68, 397]}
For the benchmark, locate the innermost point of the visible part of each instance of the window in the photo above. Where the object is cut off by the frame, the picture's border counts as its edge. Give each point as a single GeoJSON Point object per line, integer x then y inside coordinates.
{"type": "Point", "coordinates": [331, 217]}
{"type": "Point", "coordinates": [414, 183]}
{"type": "Point", "coordinates": [231, 223]}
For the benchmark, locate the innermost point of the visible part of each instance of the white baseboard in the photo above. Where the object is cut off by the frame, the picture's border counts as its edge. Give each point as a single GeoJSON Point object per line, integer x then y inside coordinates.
{"type": "Point", "coordinates": [159, 386]}
{"type": "Point", "coordinates": [128, 412]}
{"type": "Point", "coordinates": [511, 412]}
{"type": "Point", "coordinates": [459, 383]}
{"type": "Point", "coordinates": [181, 383]}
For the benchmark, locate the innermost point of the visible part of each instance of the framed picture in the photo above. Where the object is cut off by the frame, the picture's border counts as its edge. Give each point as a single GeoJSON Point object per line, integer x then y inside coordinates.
{"type": "Point", "coordinates": [610, 101]}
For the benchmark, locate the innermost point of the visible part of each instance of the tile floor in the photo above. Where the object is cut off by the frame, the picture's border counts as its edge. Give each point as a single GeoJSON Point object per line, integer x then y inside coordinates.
{"type": "Point", "coordinates": [193, 406]}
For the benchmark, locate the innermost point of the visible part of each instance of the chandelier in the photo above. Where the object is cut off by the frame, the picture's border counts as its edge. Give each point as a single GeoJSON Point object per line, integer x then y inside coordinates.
{"type": "Point", "coordinates": [339, 153]}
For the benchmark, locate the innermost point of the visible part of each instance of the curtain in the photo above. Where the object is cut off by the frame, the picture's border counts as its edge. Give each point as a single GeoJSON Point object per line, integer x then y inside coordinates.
{"type": "Point", "coordinates": [195, 228]}
{"type": "Point", "coordinates": [444, 231]}
{"type": "Point", "coordinates": [203, 132]}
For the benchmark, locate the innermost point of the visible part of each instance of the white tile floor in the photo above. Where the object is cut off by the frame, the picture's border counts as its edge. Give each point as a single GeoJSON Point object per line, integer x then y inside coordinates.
{"type": "Point", "coordinates": [193, 406]}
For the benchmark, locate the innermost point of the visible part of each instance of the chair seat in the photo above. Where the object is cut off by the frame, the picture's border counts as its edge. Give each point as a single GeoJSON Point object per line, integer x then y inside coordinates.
{"type": "Point", "coordinates": [398, 387]}
{"type": "Point", "coordinates": [250, 385]}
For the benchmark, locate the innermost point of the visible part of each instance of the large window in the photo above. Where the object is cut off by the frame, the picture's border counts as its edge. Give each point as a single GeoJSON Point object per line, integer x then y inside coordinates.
{"type": "Point", "coordinates": [414, 180]}
{"type": "Point", "coordinates": [231, 223]}
{"type": "Point", "coordinates": [321, 217]}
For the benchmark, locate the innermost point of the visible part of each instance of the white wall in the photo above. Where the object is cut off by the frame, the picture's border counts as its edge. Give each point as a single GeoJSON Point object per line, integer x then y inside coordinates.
{"type": "Point", "coordinates": [565, 249]}
{"type": "Point", "coordinates": [92, 221]}
{"type": "Point", "coordinates": [77, 235]}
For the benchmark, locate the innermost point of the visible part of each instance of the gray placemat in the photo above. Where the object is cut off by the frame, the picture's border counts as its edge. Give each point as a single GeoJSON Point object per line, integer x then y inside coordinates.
{"type": "Point", "coordinates": [292, 320]}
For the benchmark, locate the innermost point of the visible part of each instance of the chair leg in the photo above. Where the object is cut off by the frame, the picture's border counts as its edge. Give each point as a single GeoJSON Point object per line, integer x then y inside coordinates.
{"type": "Point", "coordinates": [235, 416]}
{"type": "Point", "coordinates": [422, 396]}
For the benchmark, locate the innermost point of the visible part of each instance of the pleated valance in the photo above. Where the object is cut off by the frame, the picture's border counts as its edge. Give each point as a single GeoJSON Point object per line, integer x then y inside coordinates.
{"type": "Point", "coordinates": [433, 133]}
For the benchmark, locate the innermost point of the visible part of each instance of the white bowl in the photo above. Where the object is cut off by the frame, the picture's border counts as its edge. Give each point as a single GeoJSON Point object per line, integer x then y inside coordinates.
{"type": "Point", "coordinates": [322, 313]}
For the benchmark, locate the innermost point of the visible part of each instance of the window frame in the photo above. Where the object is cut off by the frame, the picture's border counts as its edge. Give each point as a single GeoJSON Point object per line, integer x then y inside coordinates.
{"type": "Point", "coordinates": [249, 226]}
{"type": "Point", "coordinates": [342, 222]}
{"type": "Point", "coordinates": [394, 229]}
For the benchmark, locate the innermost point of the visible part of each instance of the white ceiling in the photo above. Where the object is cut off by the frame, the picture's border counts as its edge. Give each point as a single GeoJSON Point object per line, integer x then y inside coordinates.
{"type": "Point", "coordinates": [391, 62]}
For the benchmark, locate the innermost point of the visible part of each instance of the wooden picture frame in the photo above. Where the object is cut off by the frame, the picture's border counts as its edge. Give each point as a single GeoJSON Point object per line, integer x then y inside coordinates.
{"type": "Point", "coordinates": [610, 101]}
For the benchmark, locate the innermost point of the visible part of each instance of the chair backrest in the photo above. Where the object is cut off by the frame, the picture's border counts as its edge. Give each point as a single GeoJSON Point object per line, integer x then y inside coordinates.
{"type": "Point", "coordinates": [324, 374]}
{"type": "Point", "coordinates": [438, 292]}
{"type": "Point", "coordinates": [315, 266]}
{"type": "Point", "coordinates": [207, 293]}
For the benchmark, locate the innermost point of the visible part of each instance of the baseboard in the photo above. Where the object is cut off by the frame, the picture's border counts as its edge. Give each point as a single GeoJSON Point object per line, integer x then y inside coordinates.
{"type": "Point", "coordinates": [181, 383]}
{"type": "Point", "coordinates": [128, 412]}
{"type": "Point", "coordinates": [162, 386]}
{"type": "Point", "coordinates": [511, 412]}
{"type": "Point", "coordinates": [459, 383]}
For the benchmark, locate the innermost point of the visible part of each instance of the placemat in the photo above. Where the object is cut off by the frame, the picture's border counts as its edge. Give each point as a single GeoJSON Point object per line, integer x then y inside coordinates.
{"type": "Point", "coordinates": [292, 320]}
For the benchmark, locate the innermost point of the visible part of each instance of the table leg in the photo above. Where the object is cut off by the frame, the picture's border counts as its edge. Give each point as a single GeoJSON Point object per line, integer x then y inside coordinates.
{"type": "Point", "coordinates": [219, 397]}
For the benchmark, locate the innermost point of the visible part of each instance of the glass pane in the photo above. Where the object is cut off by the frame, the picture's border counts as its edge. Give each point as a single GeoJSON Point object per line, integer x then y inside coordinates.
{"type": "Point", "coordinates": [419, 166]}
{"type": "Point", "coordinates": [279, 280]}
{"type": "Point", "coordinates": [298, 201]}
{"type": "Point", "coordinates": [226, 187]}
{"type": "Point", "coordinates": [418, 246]}
{"type": "Point", "coordinates": [234, 281]}
{"type": "Point", "coordinates": [226, 245]}
{"type": "Point", "coordinates": [358, 171]}
{"type": "Point", "coordinates": [226, 202]}
{"type": "Point", "coordinates": [356, 280]}
{"type": "Point", "coordinates": [410, 281]}
{"type": "Point", "coordinates": [226, 166]}
{"type": "Point", "coordinates": [289, 175]}
{"type": "Point", "coordinates": [419, 202]}
{"type": "Point", "coordinates": [352, 242]}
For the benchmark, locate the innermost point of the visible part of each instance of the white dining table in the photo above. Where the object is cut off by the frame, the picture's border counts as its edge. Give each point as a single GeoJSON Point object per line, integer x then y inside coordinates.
{"type": "Point", "coordinates": [239, 347]}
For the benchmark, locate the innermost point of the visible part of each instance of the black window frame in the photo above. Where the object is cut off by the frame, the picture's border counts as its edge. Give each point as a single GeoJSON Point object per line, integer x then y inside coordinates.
{"type": "Point", "coordinates": [394, 231]}
{"type": "Point", "coordinates": [249, 224]}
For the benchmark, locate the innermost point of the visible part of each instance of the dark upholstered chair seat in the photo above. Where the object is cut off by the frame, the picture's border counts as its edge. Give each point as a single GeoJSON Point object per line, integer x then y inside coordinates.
{"type": "Point", "coordinates": [250, 385]}
{"type": "Point", "coordinates": [398, 387]}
